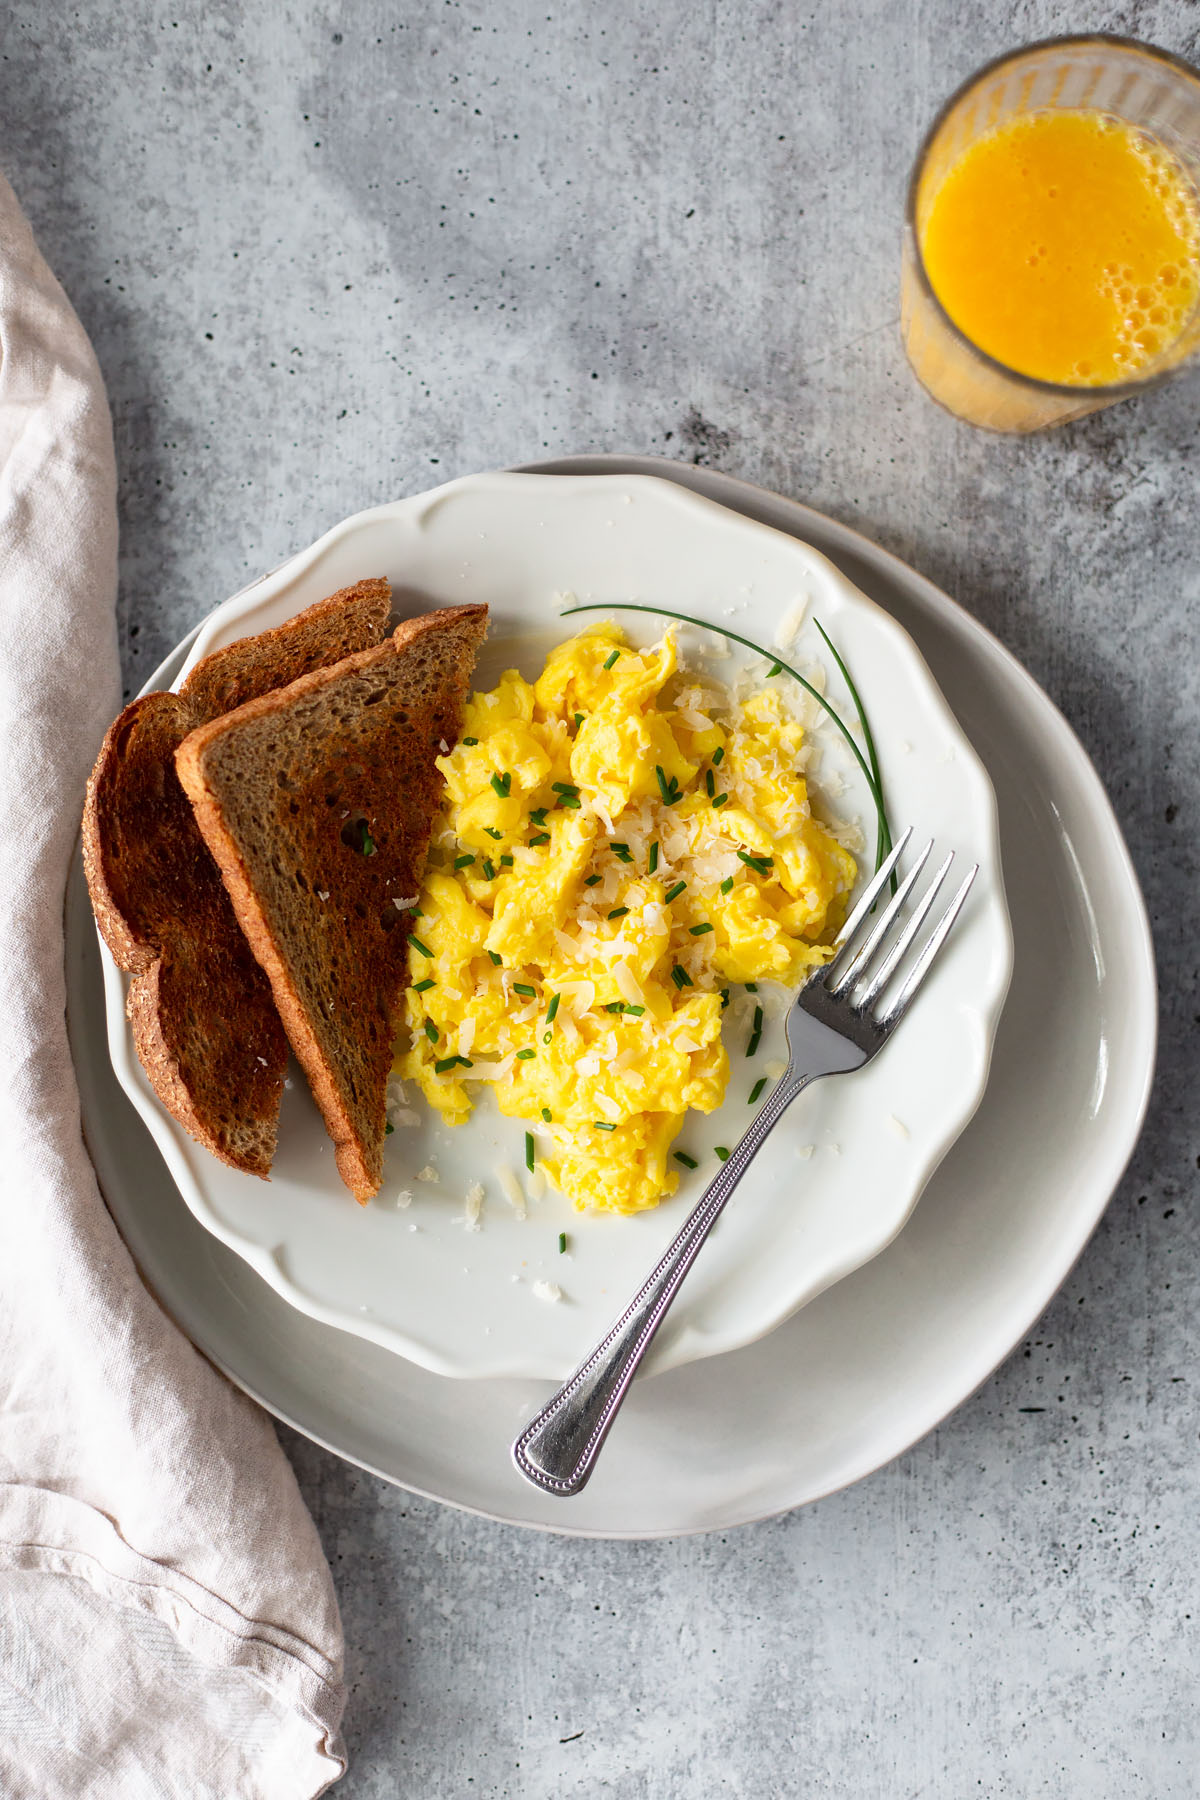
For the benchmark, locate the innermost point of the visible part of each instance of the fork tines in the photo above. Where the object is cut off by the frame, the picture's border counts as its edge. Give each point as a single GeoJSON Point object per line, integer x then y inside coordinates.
{"type": "Point", "coordinates": [853, 960]}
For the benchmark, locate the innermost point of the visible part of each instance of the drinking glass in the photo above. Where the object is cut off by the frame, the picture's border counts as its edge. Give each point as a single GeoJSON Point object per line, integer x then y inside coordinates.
{"type": "Point", "coordinates": [1137, 83]}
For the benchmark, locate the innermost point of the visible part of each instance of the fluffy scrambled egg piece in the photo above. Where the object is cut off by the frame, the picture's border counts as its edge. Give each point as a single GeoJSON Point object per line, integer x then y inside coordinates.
{"type": "Point", "coordinates": [619, 843]}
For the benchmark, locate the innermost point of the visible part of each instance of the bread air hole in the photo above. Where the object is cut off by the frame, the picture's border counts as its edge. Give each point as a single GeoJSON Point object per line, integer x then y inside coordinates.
{"type": "Point", "coordinates": [357, 834]}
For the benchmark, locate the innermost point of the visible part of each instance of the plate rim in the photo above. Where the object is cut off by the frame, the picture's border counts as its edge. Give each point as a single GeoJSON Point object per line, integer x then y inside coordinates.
{"type": "Point", "coordinates": [932, 1145]}
{"type": "Point", "coordinates": [743, 495]}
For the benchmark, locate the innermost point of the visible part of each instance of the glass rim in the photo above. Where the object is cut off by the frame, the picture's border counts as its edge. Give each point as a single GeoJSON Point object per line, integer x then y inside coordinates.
{"type": "Point", "coordinates": [1115, 390]}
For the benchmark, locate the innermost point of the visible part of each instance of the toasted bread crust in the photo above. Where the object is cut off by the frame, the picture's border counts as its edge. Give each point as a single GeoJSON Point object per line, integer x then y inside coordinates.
{"type": "Point", "coordinates": [278, 788]}
{"type": "Point", "coordinates": [147, 728]}
{"type": "Point", "coordinates": [204, 1023]}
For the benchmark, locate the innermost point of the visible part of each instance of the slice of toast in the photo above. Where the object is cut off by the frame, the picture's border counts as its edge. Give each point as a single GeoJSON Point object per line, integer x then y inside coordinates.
{"type": "Point", "coordinates": [204, 1023]}
{"type": "Point", "coordinates": [317, 802]}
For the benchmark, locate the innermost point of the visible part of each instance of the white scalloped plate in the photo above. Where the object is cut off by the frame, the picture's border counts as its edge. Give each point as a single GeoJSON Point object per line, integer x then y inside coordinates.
{"type": "Point", "coordinates": [462, 1303]}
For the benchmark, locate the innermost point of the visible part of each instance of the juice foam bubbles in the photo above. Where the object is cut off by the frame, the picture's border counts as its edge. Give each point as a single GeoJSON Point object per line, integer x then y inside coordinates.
{"type": "Point", "coordinates": [1066, 244]}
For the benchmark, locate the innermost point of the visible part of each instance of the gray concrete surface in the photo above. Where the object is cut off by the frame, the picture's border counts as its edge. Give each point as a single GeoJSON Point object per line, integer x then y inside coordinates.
{"type": "Point", "coordinates": [330, 254]}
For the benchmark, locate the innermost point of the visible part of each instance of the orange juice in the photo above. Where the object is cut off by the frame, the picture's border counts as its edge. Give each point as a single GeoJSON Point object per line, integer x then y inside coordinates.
{"type": "Point", "coordinates": [1066, 244]}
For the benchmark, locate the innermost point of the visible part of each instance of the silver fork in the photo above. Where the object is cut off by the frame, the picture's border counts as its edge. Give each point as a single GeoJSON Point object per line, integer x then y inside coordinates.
{"type": "Point", "coordinates": [838, 1022]}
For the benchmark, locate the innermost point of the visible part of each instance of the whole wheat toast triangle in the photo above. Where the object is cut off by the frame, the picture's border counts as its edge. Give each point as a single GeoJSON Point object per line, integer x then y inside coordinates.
{"type": "Point", "coordinates": [204, 1023]}
{"type": "Point", "coordinates": [318, 802]}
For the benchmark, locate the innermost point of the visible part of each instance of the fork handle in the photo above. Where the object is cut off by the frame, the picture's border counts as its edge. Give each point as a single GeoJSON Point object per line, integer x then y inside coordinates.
{"type": "Point", "coordinates": [557, 1450]}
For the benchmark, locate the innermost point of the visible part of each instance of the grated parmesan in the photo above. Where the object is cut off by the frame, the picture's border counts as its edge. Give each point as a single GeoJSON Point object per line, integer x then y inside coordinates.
{"type": "Point", "coordinates": [473, 1206]}
{"type": "Point", "coordinates": [791, 625]}
{"type": "Point", "coordinates": [511, 1188]}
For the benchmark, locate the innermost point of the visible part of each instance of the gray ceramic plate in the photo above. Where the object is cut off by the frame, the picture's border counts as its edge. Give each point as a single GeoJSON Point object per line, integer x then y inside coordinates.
{"type": "Point", "coordinates": [873, 1364]}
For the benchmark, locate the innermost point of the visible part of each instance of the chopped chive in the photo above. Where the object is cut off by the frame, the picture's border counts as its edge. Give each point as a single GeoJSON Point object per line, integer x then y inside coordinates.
{"type": "Point", "coordinates": [431, 1031]}
{"type": "Point", "coordinates": [471, 741]}
{"type": "Point", "coordinates": [451, 1062]}
{"type": "Point", "coordinates": [720, 800]}
{"type": "Point", "coordinates": [775, 669]}
{"type": "Point", "coordinates": [493, 833]}
{"type": "Point", "coordinates": [503, 784]}
{"type": "Point", "coordinates": [552, 1008]}
{"type": "Point", "coordinates": [718, 754]}
{"type": "Point", "coordinates": [523, 987]}
{"type": "Point", "coordinates": [463, 862]}
{"type": "Point", "coordinates": [612, 659]}
{"type": "Point", "coordinates": [689, 1162]}
{"type": "Point", "coordinates": [653, 862]}
{"type": "Point", "coordinates": [757, 1089]}
{"type": "Point", "coordinates": [727, 885]}
{"type": "Point", "coordinates": [538, 818]}
{"type": "Point", "coordinates": [547, 1115]}
{"type": "Point", "coordinates": [618, 912]}
{"type": "Point", "coordinates": [418, 945]}
{"type": "Point", "coordinates": [680, 977]}
{"type": "Point", "coordinates": [601, 1126]}
{"type": "Point", "coordinates": [761, 863]}
{"type": "Point", "coordinates": [710, 783]}
{"type": "Point", "coordinates": [495, 956]}
{"type": "Point", "coordinates": [578, 720]}
{"type": "Point", "coordinates": [592, 880]}
{"type": "Point", "coordinates": [621, 852]}
{"type": "Point", "coordinates": [698, 930]}
{"type": "Point", "coordinates": [388, 1129]}
{"type": "Point", "coordinates": [571, 801]}
{"type": "Point", "coordinates": [562, 1243]}
{"type": "Point", "coordinates": [721, 1152]}
{"type": "Point", "coordinates": [614, 1006]}
{"type": "Point", "coordinates": [668, 787]}
{"type": "Point", "coordinates": [422, 987]}
{"type": "Point", "coordinates": [529, 1151]}
{"type": "Point", "coordinates": [368, 843]}
{"type": "Point", "coordinates": [543, 837]}
{"type": "Point", "coordinates": [526, 1055]}
{"type": "Point", "coordinates": [756, 1033]}
{"type": "Point", "coordinates": [489, 870]}
{"type": "Point", "coordinates": [752, 987]}
{"type": "Point", "coordinates": [546, 1036]}
{"type": "Point", "coordinates": [563, 787]}
{"type": "Point", "coordinates": [637, 1011]}
{"type": "Point", "coordinates": [673, 893]}
{"type": "Point", "coordinates": [724, 998]}
{"type": "Point", "coordinates": [506, 862]}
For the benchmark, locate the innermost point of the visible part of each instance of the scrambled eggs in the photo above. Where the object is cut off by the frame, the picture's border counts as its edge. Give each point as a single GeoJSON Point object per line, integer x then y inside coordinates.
{"type": "Point", "coordinates": [619, 843]}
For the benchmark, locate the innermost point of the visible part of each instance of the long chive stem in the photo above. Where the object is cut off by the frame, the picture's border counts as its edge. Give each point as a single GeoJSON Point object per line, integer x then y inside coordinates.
{"type": "Point", "coordinates": [883, 834]}
{"type": "Point", "coordinates": [869, 768]}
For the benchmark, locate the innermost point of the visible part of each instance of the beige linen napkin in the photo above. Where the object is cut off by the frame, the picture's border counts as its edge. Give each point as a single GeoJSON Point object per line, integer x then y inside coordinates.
{"type": "Point", "coordinates": [168, 1626]}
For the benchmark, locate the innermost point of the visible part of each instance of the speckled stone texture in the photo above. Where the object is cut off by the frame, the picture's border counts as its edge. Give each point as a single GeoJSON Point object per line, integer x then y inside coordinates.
{"type": "Point", "coordinates": [332, 254]}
